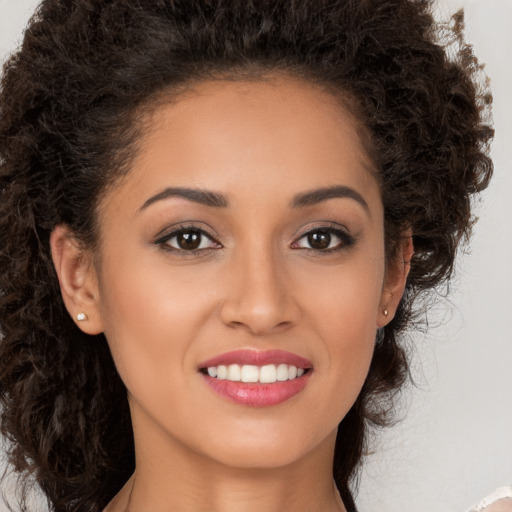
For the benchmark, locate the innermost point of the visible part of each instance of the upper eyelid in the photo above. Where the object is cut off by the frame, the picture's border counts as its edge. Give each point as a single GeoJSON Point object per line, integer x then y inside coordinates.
{"type": "Point", "coordinates": [334, 226]}
{"type": "Point", "coordinates": [163, 242]}
{"type": "Point", "coordinates": [347, 239]}
{"type": "Point", "coordinates": [169, 232]}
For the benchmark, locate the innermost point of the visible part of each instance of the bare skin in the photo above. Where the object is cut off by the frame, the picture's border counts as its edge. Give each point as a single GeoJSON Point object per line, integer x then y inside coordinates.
{"type": "Point", "coordinates": [255, 282]}
{"type": "Point", "coordinates": [504, 505]}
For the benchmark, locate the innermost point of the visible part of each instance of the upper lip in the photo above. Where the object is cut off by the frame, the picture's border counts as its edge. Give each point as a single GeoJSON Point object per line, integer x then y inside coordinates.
{"type": "Point", "coordinates": [257, 358]}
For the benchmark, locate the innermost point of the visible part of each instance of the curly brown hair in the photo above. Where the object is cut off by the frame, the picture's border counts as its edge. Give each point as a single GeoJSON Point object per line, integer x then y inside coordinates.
{"type": "Point", "coordinates": [68, 127]}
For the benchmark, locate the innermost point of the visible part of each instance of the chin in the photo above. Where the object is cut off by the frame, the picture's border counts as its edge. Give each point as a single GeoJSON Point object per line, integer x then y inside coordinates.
{"type": "Point", "coordinates": [266, 448]}
{"type": "Point", "coordinates": [260, 457]}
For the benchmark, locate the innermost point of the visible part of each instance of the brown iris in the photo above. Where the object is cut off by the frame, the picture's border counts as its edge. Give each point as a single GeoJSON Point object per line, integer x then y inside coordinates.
{"type": "Point", "coordinates": [188, 240]}
{"type": "Point", "coordinates": [319, 239]}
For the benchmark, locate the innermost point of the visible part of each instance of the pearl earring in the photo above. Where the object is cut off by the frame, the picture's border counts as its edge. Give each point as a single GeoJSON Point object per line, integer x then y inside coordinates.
{"type": "Point", "coordinates": [81, 317]}
{"type": "Point", "coordinates": [385, 312]}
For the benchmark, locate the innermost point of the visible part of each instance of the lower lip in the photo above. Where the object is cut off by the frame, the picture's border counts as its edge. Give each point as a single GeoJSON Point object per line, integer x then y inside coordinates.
{"type": "Point", "coordinates": [256, 394]}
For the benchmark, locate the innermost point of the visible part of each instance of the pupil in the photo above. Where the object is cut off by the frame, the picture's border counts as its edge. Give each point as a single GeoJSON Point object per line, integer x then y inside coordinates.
{"type": "Point", "coordinates": [190, 240]}
{"type": "Point", "coordinates": [319, 240]}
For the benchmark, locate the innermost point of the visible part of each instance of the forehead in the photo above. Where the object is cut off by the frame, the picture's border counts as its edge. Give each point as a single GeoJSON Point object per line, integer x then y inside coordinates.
{"type": "Point", "coordinates": [242, 137]}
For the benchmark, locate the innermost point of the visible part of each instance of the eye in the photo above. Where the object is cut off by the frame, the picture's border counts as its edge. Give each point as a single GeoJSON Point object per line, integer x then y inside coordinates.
{"type": "Point", "coordinates": [325, 239]}
{"type": "Point", "coordinates": [188, 239]}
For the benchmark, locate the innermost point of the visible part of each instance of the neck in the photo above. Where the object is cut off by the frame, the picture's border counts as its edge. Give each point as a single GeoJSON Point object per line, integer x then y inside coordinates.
{"type": "Point", "coordinates": [253, 494]}
{"type": "Point", "coordinates": [177, 479]}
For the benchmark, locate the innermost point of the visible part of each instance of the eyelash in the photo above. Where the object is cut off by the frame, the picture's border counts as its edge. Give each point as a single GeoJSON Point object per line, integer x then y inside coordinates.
{"type": "Point", "coordinates": [163, 241]}
{"type": "Point", "coordinates": [346, 240]}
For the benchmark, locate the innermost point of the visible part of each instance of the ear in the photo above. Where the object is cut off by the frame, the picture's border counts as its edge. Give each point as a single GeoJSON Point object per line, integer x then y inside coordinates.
{"type": "Point", "coordinates": [77, 279]}
{"type": "Point", "coordinates": [396, 278]}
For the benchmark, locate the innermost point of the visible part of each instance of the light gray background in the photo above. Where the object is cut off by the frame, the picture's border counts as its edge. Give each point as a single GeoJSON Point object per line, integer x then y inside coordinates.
{"type": "Point", "coordinates": [455, 444]}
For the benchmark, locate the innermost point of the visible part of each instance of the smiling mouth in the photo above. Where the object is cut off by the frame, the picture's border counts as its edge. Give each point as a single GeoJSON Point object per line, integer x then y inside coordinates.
{"type": "Point", "coordinates": [257, 378]}
{"type": "Point", "coordinates": [248, 373]}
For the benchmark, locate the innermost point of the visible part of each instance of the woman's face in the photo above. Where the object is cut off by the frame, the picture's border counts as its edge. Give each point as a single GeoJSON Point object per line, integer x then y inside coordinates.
{"type": "Point", "coordinates": [248, 235]}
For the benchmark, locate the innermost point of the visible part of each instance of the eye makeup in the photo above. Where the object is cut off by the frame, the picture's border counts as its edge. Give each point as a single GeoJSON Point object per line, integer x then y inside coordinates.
{"type": "Point", "coordinates": [325, 239]}
{"type": "Point", "coordinates": [189, 239]}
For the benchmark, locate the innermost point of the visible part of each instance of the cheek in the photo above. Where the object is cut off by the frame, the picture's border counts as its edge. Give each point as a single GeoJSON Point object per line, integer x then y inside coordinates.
{"type": "Point", "coordinates": [345, 300]}
{"type": "Point", "coordinates": [343, 314]}
{"type": "Point", "coordinates": [150, 313]}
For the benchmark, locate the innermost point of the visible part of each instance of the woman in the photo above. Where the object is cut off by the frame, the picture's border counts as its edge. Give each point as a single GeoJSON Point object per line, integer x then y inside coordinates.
{"type": "Point", "coordinates": [215, 218]}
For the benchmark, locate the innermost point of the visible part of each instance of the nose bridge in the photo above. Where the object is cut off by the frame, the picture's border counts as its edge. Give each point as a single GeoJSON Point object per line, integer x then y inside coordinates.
{"type": "Point", "coordinates": [258, 296]}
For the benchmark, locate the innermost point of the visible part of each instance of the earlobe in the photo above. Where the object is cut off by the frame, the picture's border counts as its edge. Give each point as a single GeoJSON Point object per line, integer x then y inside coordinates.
{"type": "Point", "coordinates": [77, 279]}
{"type": "Point", "coordinates": [396, 279]}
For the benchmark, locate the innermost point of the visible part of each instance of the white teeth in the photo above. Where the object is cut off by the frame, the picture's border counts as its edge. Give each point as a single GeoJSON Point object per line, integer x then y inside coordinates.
{"type": "Point", "coordinates": [268, 373]}
{"type": "Point", "coordinates": [249, 373]}
{"type": "Point", "coordinates": [222, 372]}
{"type": "Point", "coordinates": [282, 372]}
{"type": "Point", "coordinates": [233, 372]}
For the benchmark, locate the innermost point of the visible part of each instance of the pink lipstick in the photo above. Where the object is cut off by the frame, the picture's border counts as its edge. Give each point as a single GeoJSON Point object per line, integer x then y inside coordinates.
{"type": "Point", "coordinates": [257, 378]}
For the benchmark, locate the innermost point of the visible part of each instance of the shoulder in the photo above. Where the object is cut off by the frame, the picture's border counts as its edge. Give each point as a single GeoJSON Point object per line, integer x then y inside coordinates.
{"type": "Point", "coordinates": [499, 501]}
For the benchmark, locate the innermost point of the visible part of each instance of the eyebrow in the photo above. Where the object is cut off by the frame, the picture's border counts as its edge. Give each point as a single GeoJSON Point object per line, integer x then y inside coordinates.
{"type": "Point", "coordinates": [312, 197]}
{"type": "Point", "coordinates": [195, 195]}
{"type": "Point", "coordinates": [216, 200]}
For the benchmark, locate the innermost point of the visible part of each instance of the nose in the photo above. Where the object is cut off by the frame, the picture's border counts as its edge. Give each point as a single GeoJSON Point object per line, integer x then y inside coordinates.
{"type": "Point", "coordinates": [259, 296]}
